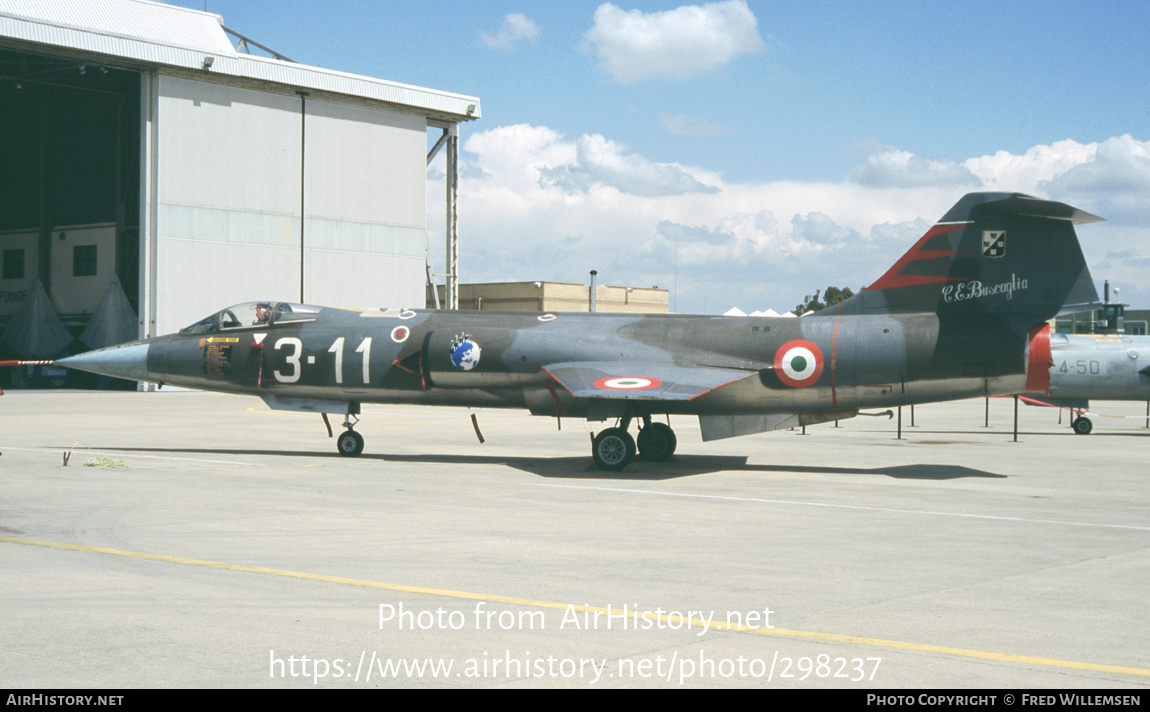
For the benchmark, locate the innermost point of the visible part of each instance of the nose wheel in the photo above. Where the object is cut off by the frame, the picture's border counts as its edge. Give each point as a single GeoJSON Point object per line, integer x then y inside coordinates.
{"type": "Point", "coordinates": [349, 443]}
{"type": "Point", "coordinates": [1082, 425]}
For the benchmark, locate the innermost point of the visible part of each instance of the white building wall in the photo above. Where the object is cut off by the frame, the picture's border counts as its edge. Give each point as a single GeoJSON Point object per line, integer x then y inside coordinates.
{"type": "Point", "coordinates": [228, 201]}
{"type": "Point", "coordinates": [15, 291]}
{"type": "Point", "coordinates": [366, 171]}
{"type": "Point", "coordinates": [365, 165]}
{"type": "Point", "coordinates": [73, 294]}
{"type": "Point", "coordinates": [228, 148]}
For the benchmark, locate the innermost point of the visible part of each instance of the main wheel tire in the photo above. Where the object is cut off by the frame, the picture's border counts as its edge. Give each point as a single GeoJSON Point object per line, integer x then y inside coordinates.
{"type": "Point", "coordinates": [1082, 426]}
{"type": "Point", "coordinates": [657, 442]}
{"type": "Point", "coordinates": [350, 443]}
{"type": "Point", "coordinates": [613, 449]}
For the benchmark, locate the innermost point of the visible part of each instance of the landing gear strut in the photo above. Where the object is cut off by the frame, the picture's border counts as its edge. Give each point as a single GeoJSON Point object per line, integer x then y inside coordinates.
{"type": "Point", "coordinates": [614, 448]}
{"type": "Point", "coordinates": [349, 443]}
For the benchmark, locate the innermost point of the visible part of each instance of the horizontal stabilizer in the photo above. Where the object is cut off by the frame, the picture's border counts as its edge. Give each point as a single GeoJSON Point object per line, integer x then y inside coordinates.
{"type": "Point", "coordinates": [641, 380]}
{"type": "Point", "coordinates": [1020, 204]}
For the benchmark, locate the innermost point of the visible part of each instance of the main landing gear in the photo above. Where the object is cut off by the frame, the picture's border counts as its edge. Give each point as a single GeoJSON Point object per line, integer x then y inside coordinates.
{"type": "Point", "coordinates": [614, 448]}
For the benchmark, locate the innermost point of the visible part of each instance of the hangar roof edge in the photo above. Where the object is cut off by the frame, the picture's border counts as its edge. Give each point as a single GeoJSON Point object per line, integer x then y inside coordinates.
{"type": "Point", "coordinates": [166, 35]}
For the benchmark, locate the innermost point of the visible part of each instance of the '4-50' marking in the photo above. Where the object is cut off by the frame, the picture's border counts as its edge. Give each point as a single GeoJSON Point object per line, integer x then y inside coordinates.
{"type": "Point", "coordinates": [1082, 367]}
{"type": "Point", "coordinates": [292, 371]}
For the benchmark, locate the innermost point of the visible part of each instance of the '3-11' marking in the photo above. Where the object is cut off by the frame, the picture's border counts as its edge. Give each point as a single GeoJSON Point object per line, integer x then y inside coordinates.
{"type": "Point", "coordinates": [292, 359]}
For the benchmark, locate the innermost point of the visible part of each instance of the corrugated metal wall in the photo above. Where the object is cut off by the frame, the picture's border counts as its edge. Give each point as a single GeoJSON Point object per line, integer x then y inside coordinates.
{"type": "Point", "coordinates": [228, 201]}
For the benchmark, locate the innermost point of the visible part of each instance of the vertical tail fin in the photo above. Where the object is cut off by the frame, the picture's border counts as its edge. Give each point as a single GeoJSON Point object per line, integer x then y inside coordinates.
{"type": "Point", "coordinates": [1003, 255]}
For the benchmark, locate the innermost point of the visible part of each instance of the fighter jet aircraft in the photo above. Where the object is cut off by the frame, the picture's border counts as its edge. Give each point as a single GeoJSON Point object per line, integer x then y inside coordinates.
{"type": "Point", "coordinates": [1085, 367]}
{"type": "Point", "coordinates": [963, 313]}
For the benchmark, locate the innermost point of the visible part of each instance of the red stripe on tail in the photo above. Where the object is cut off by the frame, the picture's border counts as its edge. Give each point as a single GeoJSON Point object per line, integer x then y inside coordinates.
{"type": "Point", "coordinates": [1038, 360]}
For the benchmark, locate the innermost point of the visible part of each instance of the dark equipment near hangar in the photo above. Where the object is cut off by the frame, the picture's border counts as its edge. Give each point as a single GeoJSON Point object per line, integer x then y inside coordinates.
{"type": "Point", "coordinates": [69, 163]}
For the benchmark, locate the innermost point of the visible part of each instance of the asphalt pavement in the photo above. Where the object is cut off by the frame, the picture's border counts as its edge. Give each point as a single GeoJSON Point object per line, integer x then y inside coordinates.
{"type": "Point", "coordinates": [186, 539]}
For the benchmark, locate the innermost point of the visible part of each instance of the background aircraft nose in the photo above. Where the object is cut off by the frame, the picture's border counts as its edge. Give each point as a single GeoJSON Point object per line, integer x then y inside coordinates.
{"type": "Point", "coordinates": [129, 361]}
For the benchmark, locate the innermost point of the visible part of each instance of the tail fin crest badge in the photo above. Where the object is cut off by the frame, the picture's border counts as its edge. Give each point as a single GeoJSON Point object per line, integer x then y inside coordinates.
{"type": "Point", "coordinates": [993, 243]}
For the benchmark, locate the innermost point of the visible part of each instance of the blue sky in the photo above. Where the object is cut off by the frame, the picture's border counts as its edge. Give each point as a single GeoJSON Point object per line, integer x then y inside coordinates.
{"type": "Point", "coordinates": [748, 153]}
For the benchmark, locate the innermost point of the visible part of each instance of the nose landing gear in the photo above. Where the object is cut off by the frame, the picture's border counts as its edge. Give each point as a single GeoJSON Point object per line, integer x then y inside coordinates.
{"type": "Point", "coordinates": [350, 443]}
{"type": "Point", "coordinates": [1082, 425]}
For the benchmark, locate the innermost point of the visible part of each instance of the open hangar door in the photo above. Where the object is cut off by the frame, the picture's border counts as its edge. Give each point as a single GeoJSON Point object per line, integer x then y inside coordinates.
{"type": "Point", "coordinates": [69, 202]}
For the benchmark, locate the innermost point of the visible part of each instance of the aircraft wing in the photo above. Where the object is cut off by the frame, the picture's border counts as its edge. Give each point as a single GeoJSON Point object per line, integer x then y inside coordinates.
{"type": "Point", "coordinates": [641, 380]}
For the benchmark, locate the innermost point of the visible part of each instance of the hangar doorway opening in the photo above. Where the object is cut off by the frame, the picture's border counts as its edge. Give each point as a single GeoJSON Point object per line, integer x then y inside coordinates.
{"type": "Point", "coordinates": [70, 206]}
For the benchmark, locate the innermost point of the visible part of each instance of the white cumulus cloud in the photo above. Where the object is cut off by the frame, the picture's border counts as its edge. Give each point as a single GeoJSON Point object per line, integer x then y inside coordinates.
{"type": "Point", "coordinates": [1114, 183]}
{"type": "Point", "coordinates": [601, 162]}
{"type": "Point", "coordinates": [534, 204]}
{"type": "Point", "coordinates": [1110, 178]}
{"type": "Point", "coordinates": [515, 27]}
{"type": "Point", "coordinates": [1026, 172]}
{"type": "Point", "coordinates": [893, 168]}
{"type": "Point", "coordinates": [674, 44]}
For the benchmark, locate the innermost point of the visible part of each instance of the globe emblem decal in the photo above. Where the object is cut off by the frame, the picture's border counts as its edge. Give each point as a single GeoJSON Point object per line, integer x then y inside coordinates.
{"type": "Point", "coordinates": [464, 352]}
{"type": "Point", "coordinates": [799, 363]}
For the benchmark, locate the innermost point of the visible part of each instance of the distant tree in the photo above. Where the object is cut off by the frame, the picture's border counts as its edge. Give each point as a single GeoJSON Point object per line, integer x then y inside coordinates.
{"type": "Point", "coordinates": [831, 296]}
{"type": "Point", "coordinates": [834, 295]}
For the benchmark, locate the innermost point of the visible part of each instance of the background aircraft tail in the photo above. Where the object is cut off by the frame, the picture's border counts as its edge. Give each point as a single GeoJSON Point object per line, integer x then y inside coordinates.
{"type": "Point", "coordinates": [1007, 256]}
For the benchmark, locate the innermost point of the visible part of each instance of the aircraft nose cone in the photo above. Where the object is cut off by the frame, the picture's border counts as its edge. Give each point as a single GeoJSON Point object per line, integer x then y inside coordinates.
{"type": "Point", "coordinates": [128, 361]}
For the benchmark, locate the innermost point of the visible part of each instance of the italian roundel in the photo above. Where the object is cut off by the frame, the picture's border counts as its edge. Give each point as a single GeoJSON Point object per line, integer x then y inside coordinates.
{"type": "Point", "coordinates": [628, 383]}
{"type": "Point", "coordinates": [799, 363]}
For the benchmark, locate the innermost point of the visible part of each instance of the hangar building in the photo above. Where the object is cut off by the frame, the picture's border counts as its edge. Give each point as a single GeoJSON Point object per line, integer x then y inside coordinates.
{"type": "Point", "coordinates": [562, 296]}
{"type": "Point", "coordinates": [145, 142]}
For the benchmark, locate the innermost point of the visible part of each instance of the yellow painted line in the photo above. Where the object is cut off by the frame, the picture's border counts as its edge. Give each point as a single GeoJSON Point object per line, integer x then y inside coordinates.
{"type": "Point", "coordinates": [637, 615]}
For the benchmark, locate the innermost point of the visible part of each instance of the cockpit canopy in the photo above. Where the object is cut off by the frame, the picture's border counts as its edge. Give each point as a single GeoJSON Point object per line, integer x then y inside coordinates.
{"type": "Point", "coordinates": [253, 314]}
